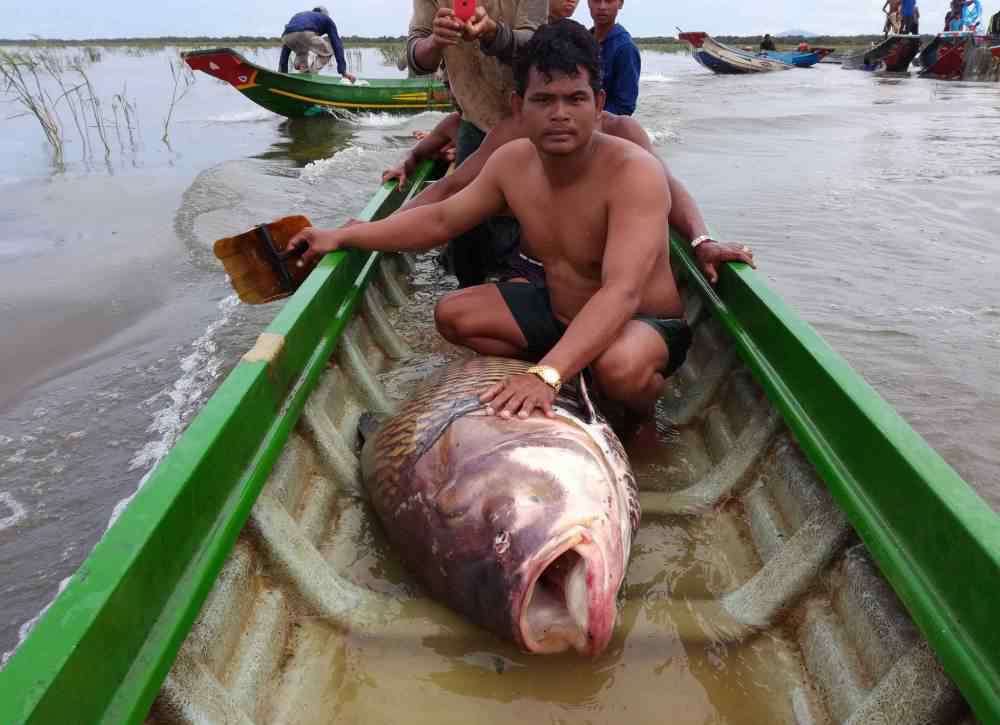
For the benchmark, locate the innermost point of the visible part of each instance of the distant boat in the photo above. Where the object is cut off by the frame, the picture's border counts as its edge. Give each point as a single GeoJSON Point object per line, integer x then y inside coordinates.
{"type": "Point", "coordinates": [798, 59]}
{"type": "Point", "coordinates": [306, 94]}
{"type": "Point", "coordinates": [720, 58]}
{"type": "Point", "coordinates": [892, 55]}
{"type": "Point", "coordinates": [961, 55]}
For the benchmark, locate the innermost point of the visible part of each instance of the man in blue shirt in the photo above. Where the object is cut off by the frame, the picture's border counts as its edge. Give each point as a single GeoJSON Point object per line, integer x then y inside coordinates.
{"type": "Point", "coordinates": [619, 57]}
{"type": "Point", "coordinates": [304, 34]}
{"type": "Point", "coordinates": [911, 17]}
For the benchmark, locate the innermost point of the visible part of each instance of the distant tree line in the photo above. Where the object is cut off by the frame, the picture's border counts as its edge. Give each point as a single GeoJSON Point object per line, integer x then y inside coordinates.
{"type": "Point", "coordinates": [356, 40]}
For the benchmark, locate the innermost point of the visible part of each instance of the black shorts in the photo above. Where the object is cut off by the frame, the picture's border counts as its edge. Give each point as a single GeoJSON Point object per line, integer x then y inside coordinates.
{"type": "Point", "coordinates": [532, 310]}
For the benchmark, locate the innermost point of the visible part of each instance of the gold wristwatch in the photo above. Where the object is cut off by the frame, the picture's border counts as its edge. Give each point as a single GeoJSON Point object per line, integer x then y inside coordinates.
{"type": "Point", "coordinates": [548, 375]}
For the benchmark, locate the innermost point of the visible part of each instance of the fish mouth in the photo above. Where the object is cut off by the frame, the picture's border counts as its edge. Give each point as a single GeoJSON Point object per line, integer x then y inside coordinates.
{"type": "Point", "coordinates": [568, 603]}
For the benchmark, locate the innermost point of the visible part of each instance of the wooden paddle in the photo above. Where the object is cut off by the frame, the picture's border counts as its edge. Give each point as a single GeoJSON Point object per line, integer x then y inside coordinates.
{"type": "Point", "coordinates": [260, 266]}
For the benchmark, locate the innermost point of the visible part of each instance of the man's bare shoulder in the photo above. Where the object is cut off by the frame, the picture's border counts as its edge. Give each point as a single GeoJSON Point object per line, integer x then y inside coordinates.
{"type": "Point", "coordinates": [624, 159]}
{"type": "Point", "coordinates": [512, 153]}
{"type": "Point", "coordinates": [627, 128]}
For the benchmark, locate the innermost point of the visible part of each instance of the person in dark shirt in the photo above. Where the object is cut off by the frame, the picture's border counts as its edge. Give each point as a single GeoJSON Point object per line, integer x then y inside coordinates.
{"type": "Point", "coordinates": [994, 28]}
{"type": "Point", "coordinates": [767, 43]}
{"type": "Point", "coordinates": [910, 17]}
{"type": "Point", "coordinates": [620, 62]}
{"type": "Point", "coordinates": [304, 34]}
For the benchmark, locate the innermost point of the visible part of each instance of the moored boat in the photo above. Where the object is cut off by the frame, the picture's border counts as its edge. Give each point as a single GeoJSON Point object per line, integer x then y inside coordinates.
{"type": "Point", "coordinates": [892, 55]}
{"type": "Point", "coordinates": [723, 59]}
{"type": "Point", "coordinates": [793, 523]}
{"type": "Point", "coordinates": [298, 95]}
{"type": "Point", "coordinates": [798, 59]}
{"type": "Point", "coordinates": [959, 55]}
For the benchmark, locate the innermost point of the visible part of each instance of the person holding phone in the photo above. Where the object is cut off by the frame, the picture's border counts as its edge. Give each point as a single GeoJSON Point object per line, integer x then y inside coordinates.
{"type": "Point", "coordinates": [477, 40]}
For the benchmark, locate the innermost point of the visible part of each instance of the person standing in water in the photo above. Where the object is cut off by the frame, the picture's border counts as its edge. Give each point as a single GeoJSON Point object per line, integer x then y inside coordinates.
{"type": "Point", "coordinates": [620, 63]}
{"type": "Point", "coordinates": [304, 35]}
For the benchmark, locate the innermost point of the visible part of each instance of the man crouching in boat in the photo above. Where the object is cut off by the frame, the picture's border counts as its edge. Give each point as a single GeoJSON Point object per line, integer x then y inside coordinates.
{"type": "Point", "coordinates": [593, 210]}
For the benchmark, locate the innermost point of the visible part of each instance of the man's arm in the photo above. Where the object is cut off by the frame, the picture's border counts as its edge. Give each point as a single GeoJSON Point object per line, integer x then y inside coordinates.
{"type": "Point", "coordinates": [338, 46]}
{"type": "Point", "coordinates": [637, 232]}
{"type": "Point", "coordinates": [685, 216]}
{"type": "Point", "coordinates": [417, 229]}
{"type": "Point", "coordinates": [432, 29]}
{"type": "Point", "coordinates": [283, 61]}
{"type": "Point", "coordinates": [468, 170]}
{"type": "Point", "coordinates": [623, 95]}
{"type": "Point", "coordinates": [504, 41]}
{"type": "Point", "coordinates": [428, 148]}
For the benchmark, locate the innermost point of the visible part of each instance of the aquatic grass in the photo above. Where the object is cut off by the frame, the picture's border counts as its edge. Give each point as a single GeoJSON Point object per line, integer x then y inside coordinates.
{"type": "Point", "coordinates": [393, 55]}
{"type": "Point", "coordinates": [183, 80]}
{"type": "Point", "coordinates": [19, 73]}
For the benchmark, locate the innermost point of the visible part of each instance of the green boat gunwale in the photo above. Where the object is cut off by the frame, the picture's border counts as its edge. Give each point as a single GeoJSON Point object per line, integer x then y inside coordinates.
{"type": "Point", "coordinates": [102, 650]}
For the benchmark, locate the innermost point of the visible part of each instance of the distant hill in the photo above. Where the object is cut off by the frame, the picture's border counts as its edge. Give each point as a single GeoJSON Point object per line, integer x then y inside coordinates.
{"type": "Point", "coordinates": [795, 34]}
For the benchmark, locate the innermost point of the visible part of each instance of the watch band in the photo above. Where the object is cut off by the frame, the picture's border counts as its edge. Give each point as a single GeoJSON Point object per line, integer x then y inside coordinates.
{"type": "Point", "coordinates": [700, 240]}
{"type": "Point", "coordinates": [548, 375]}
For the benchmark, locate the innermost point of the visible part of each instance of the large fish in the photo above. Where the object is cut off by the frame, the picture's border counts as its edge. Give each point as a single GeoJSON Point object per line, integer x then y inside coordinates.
{"type": "Point", "coordinates": [522, 526]}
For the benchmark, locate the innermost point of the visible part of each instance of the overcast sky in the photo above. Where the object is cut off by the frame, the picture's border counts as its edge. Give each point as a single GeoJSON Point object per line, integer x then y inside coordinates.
{"type": "Point", "coordinates": [117, 18]}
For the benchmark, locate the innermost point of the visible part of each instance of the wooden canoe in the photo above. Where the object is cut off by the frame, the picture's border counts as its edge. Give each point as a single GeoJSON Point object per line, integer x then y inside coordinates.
{"type": "Point", "coordinates": [297, 95]}
{"type": "Point", "coordinates": [720, 58]}
{"type": "Point", "coordinates": [839, 558]}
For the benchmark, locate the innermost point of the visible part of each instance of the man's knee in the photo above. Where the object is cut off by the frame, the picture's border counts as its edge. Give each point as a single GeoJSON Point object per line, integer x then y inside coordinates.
{"type": "Point", "coordinates": [624, 374]}
{"type": "Point", "coordinates": [451, 316]}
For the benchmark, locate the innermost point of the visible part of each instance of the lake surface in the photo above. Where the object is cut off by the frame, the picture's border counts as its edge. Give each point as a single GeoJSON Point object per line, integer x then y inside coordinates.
{"type": "Point", "coordinates": [871, 204]}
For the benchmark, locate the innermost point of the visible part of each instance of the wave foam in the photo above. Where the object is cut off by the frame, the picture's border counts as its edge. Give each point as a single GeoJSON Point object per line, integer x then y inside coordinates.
{"type": "Point", "coordinates": [317, 171]}
{"type": "Point", "coordinates": [655, 78]}
{"type": "Point", "coordinates": [17, 512]}
{"type": "Point", "coordinates": [25, 629]}
{"type": "Point", "coordinates": [199, 370]}
{"type": "Point", "coordinates": [254, 116]}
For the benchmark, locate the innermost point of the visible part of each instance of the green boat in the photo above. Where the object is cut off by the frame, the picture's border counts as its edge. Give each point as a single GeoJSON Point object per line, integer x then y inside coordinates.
{"type": "Point", "coordinates": [297, 95]}
{"type": "Point", "coordinates": [804, 556]}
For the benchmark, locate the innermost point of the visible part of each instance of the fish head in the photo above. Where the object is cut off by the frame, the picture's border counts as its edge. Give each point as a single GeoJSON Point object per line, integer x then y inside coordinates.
{"type": "Point", "coordinates": [554, 508]}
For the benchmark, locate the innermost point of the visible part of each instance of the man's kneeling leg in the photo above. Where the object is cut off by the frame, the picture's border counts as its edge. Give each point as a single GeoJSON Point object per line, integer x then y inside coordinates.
{"type": "Point", "coordinates": [632, 370]}
{"type": "Point", "coordinates": [478, 318]}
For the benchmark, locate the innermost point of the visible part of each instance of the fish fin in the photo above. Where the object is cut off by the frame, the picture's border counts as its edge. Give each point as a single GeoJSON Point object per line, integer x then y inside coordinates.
{"type": "Point", "coordinates": [368, 425]}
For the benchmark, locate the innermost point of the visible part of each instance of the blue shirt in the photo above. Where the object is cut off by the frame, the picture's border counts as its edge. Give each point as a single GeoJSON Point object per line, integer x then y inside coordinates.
{"type": "Point", "coordinates": [321, 25]}
{"type": "Point", "coordinates": [907, 8]}
{"type": "Point", "coordinates": [620, 68]}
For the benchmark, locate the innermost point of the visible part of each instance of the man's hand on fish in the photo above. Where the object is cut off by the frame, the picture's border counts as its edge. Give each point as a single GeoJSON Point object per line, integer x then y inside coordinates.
{"type": "Point", "coordinates": [519, 395]}
{"type": "Point", "coordinates": [712, 253]}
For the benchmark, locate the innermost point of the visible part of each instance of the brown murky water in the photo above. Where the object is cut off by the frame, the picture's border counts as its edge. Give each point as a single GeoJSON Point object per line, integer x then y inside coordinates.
{"type": "Point", "coordinates": [870, 202]}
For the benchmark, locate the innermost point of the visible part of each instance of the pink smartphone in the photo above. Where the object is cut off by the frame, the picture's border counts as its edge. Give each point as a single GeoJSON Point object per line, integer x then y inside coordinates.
{"type": "Point", "coordinates": [465, 9]}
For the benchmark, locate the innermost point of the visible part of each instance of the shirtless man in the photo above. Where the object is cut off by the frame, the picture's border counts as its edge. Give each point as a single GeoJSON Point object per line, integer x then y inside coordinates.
{"type": "Point", "coordinates": [593, 209]}
{"type": "Point", "coordinates": [685, 216]}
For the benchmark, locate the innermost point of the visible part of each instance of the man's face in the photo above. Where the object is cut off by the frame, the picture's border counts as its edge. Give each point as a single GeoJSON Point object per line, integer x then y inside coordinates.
{"type": "Point", "coordinates": [559, 114]}
{"type": "Point", "coordinates": [605, 12]}
{"type": "Point", "coordinates": [562, 8]}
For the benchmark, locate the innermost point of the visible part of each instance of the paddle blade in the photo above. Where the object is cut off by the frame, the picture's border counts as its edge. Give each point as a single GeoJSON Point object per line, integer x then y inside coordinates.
{"type": "Point", "coordinates": [255, 262]}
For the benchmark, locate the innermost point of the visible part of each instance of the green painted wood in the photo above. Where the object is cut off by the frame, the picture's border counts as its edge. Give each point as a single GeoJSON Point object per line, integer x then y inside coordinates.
{"type": "Point", "coordinates": [935, 540]}
{"type": "Point", "coordinates": [298, 95]}
{"type": "Point", "coordinates": [102, 650]}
